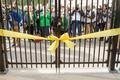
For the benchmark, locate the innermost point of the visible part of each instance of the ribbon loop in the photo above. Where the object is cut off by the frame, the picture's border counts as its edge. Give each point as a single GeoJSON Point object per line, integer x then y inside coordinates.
{"type": "Point", "coordinates": [53, 47]}
{"type": "Point", "coordinates": [65, 36]}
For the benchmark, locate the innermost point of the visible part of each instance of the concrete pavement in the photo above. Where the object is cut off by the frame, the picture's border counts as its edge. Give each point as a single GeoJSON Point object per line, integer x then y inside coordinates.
{"type": "Point", "coordinates": [38, 75]}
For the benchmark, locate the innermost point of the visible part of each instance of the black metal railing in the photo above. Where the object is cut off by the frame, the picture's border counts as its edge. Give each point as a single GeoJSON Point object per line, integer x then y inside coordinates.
{"type": "Point", "coordinates": [45, 17]}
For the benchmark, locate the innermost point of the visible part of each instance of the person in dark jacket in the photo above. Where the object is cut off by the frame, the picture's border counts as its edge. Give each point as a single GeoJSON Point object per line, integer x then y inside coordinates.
{"type": "Point", "coordinates": [17, 22]}
{"type": "Point", "coordinates": [57, 26]}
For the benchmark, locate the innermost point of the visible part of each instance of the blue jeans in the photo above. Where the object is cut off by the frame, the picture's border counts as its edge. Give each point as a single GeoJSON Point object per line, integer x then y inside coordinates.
{"type": "Point", "coordinates": [9, 25]}
{"type": "Point", "coordinates": [44, 31]}
{"type": "Point", "coordinates": [75, 25]}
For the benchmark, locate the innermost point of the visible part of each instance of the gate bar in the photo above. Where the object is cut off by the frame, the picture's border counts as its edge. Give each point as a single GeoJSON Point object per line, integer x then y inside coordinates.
{"type": "Point", "coordinates": [115, 38]}
{"type": "Point", "coordinates": [2, 54]}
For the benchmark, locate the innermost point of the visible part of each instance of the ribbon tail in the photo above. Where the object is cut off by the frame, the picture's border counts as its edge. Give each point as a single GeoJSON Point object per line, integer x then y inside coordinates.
{"type": "Point", "coordinates": [69, 44]}
{"type": "Point", "coordinates": [12, 34]}
{"type": "Point", "coordinates": [53, 47]}
{"type": "Point", "coordinates": [106, 33]}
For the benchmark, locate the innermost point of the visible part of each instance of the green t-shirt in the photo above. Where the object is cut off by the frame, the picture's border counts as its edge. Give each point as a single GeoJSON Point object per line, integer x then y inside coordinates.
{"type": "Point", "coordinates": [64, 23]}
{"type": "Point", "coordinates": [45, 20]}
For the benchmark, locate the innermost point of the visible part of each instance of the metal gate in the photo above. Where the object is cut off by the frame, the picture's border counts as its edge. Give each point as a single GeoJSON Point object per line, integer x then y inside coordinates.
{"type": "Point", "coordinates": [76, 17]}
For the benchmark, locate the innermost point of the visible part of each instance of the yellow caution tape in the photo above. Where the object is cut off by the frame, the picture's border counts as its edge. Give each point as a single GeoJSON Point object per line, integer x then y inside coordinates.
{"type": "Point", "coordinates": [64, 38]}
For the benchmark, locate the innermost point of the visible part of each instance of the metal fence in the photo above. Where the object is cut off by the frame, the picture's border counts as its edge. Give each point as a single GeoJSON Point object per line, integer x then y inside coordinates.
{"type": "Point", "coordinates": [43, 17]}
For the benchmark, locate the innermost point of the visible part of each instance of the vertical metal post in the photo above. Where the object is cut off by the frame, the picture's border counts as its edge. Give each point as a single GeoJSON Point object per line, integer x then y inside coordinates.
{"type": "Point", "coordinates": [111, 26]}
{"type": "Point", "coordinates": [56, 25]}
{"type": "Point", "coordinates": [115, 38]}
{"type": "Point", "coordinates": [2, 60]}
{"type": "Point", "coordinates": [57, 50]}
{"type": "Point", "coordinates": [2, 55]}
{"type": "Point", "coordinates": [57, 15]}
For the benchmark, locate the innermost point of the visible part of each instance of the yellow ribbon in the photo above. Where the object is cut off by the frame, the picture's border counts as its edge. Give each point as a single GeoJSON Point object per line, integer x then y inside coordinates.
{"type": "Point", "coordinates": [7, 33]}
{"type": "Point", "coordinates": [64, 38]}
{"type": "Point", "coordinates": [106, 33]}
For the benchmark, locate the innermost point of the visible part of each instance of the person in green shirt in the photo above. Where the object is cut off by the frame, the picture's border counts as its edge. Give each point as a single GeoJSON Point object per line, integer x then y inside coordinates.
{"type": "Point", "coordinates": [45, 22]}
{"type": "Point", "coordinates": [64, 23]}
{"type": "Point", "coordinates": [29, 22]}
{"type": "Point", "coordinates": [35, 18]}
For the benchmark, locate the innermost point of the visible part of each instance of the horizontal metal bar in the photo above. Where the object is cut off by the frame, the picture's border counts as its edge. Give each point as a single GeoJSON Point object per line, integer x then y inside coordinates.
{"type": "Point", "coordinates": [62, 63]}
{"type": "Point", "coordinates": [117, 62]}
{"type": "Point", "coordinates": [82, 62]}
{"type": "Point", "coordinates": [31, 63]}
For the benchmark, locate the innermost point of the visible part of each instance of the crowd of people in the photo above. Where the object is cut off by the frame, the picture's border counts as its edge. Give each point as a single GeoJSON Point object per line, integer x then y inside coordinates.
{"type": "Point", "coordinates": [44, 21]}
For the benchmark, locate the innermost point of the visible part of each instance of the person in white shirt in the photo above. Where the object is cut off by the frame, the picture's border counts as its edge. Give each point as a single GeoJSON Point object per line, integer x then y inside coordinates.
{"type": "Point", "coordinates": [76, 24]}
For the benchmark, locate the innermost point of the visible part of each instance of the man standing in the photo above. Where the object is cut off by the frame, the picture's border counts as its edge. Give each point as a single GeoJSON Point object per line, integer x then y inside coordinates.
{"type": "Point", "coordinates": [44, 22]}
{"type": "Point", "coordinates": [89, 19]}
{"type": "Point", "coordinates": [76, 14]}
{"type": "Point", "coordinates": [17, 22]}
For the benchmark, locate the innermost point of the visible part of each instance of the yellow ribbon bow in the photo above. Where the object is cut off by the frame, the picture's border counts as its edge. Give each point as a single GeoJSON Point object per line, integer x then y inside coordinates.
{"type": "Point", "coordinates": [64, 38]}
